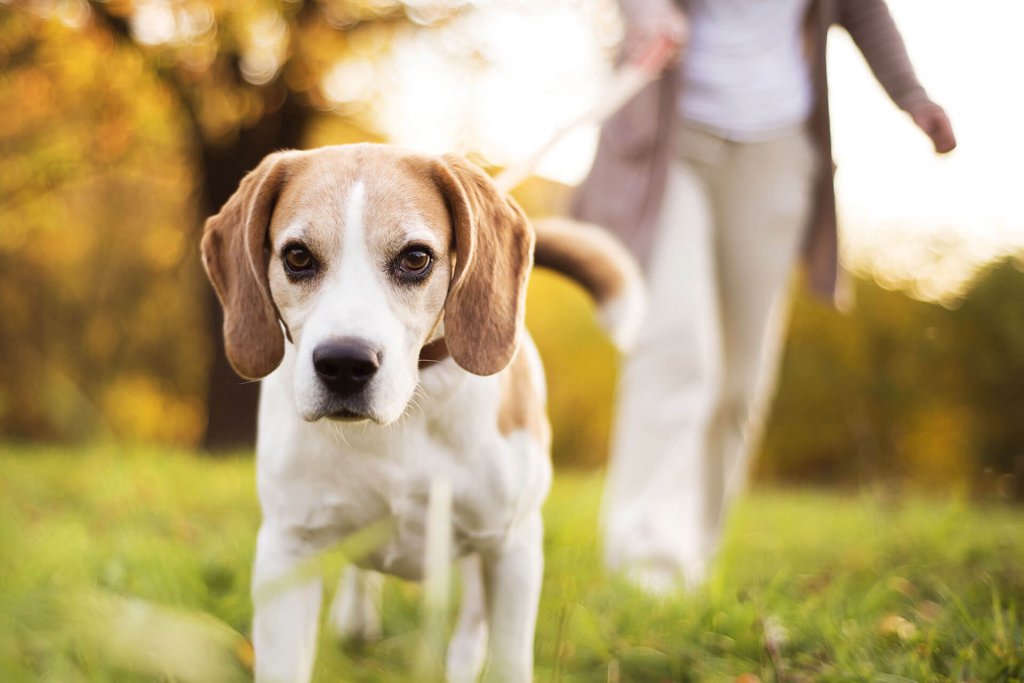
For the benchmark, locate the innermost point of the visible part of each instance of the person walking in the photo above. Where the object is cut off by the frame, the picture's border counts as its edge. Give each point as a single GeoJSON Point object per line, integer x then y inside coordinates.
{"type": "Point", "coordinates": [718, 176]}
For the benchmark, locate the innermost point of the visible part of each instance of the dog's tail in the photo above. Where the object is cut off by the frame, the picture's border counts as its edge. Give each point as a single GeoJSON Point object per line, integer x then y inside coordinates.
{"type": "Point", "coordinates": [597, 261]}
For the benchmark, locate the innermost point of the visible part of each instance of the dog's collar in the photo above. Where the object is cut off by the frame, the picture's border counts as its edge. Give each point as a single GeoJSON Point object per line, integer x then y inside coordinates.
{"type": "Point", "coordinates": [433, 352]}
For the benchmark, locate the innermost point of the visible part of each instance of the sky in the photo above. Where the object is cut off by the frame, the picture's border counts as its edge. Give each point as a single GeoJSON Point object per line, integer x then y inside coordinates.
{"type": "Point", "coordinates": [914, 219]}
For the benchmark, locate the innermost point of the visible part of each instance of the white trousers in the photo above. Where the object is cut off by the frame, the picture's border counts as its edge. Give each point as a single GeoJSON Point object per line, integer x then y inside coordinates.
{"type": "Point", "coordinates": [693, 393]}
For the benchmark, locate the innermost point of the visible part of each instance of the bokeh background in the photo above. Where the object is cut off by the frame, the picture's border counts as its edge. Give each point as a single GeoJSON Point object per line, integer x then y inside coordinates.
{"type": "Point", "coordinates": [882, 540]}
{"type": "Point", "coordinates": [126, 122]}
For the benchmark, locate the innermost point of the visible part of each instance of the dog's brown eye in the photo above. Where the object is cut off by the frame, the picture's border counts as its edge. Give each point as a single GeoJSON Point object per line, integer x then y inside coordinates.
{"type": "Point", "coordinates": [415, 262]}
{"type": "Point", "coordinates": [298, 260]}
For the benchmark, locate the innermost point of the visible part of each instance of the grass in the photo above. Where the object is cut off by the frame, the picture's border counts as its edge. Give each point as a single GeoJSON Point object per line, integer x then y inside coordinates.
{"type": "Point", "coordinates": [133, 565]}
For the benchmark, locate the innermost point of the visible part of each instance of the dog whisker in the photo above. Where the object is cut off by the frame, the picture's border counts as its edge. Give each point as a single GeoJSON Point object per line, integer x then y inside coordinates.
{"type": "Point", "coordinates": [339, 432]}
{"type": "Point", "coordinates": [415, 404]}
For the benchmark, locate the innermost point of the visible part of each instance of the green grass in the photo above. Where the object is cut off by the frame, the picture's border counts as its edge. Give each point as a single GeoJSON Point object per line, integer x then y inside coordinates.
{"type": "Point", "coordinates": [110, 557]}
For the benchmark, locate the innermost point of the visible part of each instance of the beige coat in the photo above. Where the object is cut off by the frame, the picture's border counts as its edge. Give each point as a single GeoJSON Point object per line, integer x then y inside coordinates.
{"type": "Point", "coordinates": [625, 188]}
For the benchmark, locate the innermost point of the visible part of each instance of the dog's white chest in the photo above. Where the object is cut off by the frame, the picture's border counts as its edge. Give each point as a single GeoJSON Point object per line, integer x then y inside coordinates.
{"type": "Point", "coordinates": [324, 484]}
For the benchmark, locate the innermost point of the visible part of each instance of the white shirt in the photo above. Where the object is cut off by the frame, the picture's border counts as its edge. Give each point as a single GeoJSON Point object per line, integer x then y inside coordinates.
{"type": "Point", "coordinates": [745, 75]}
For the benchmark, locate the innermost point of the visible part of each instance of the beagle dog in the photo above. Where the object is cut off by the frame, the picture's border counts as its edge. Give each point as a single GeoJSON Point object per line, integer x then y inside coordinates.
{"type": "Point", "coordinates": [379, 295]}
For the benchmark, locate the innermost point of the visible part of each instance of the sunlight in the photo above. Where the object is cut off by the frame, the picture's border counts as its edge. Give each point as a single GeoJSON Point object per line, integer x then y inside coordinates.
{"type": "Point", "coordinates": [911, 215]}
{"type": "Point", "coordinates": [158, 22]}
{"type": "Point", "coordinates": [918, 219]}
{"type": "Point", "coordinates": [500, 81]}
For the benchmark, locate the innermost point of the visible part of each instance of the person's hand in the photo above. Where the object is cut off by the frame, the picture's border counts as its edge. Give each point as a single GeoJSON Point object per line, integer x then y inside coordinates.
{"type": "Point", "coordinates": [645, 31]}
{"type": "Point", "coordinates": [932, 119]}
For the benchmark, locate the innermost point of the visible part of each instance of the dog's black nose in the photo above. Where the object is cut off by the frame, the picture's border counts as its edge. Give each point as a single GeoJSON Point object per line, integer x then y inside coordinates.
{"type": "Point", "coordinates": [345, 365]}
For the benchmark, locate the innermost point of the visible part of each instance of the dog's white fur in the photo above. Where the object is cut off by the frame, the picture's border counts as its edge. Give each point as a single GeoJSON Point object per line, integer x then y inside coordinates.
{"type": "Point", "coordinates": [321, 479]}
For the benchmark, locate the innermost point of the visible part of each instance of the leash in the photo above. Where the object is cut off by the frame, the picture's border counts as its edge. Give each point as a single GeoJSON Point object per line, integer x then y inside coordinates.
{"type": "Point", "coordinates": [628, 80]}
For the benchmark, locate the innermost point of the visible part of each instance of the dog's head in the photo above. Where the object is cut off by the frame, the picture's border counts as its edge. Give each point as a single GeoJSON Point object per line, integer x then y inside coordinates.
{"type": "Point", "coordinates": [361, 255]}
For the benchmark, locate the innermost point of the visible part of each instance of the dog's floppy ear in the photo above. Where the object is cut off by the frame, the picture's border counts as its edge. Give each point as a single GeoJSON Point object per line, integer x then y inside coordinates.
{"type": "Point", "coordinates": [235, 254]}
{"type": "Point", "coordinates": [483, 317]}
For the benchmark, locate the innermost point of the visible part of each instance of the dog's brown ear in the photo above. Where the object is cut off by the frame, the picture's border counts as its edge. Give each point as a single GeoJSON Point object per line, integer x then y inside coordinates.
{"type": "Point", "coordinates": [483, 317]}
{"type": "Point", "coordinates": [235, 254]}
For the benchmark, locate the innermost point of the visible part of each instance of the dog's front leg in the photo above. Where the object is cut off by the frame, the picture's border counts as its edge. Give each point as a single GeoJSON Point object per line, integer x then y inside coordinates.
{"type": "Point", "coordinates": [467, 649]}
{"type": "Point", "coordinates": [286, 609]}
{"type": "Point", "coordinates": [512, 581]}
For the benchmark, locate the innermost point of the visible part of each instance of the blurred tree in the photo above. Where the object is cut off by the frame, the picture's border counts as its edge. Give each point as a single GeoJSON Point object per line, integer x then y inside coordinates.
{"type": "Point", "coordinates": [904, 389]}
{"type": "Point", "coordinates": [249, 77]}
{"type": "Point", "coordinates": [856, 390]}
{"type": "Point", "coordinates": [87, 310]}
{"type": "Point", "coordinates": [988, 351]}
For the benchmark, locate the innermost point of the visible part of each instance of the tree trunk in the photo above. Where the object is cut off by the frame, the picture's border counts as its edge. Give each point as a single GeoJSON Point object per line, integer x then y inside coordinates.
{"type": "Point", "coordinates": [231, 402]}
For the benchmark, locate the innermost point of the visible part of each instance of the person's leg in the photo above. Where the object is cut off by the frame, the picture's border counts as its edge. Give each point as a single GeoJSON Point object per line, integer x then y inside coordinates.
{"type": "Point", "coordinates": [762, 196]}
{"type": "Point", "coordinates": [652, 511]}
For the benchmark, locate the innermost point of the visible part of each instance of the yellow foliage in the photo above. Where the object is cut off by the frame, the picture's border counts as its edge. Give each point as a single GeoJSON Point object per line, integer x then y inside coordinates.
{"type": "Point", "coordinates": [139, 409]}
{"type": "Point", "coordinates": [163, 248]}
{"type": "Point", "coordinates": [580, 365]}
{"type": "Point", "coordinates": [937, 446]}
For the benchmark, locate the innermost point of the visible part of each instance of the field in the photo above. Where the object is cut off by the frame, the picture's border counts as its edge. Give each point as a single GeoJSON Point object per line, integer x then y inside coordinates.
{"type": "Point", "coordinates": [124, 564]}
